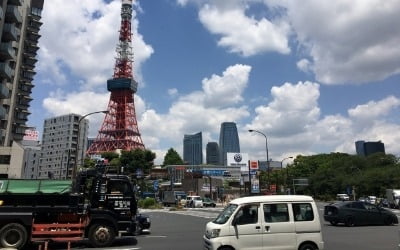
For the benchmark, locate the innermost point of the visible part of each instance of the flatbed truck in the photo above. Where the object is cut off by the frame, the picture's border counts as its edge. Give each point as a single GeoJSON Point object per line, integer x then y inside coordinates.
{"type": "Point", "coordinates": [96, 206]}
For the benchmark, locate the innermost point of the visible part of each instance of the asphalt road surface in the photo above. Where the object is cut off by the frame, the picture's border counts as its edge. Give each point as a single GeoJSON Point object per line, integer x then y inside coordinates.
{"type": "Point", "coordinates": [183, 230]}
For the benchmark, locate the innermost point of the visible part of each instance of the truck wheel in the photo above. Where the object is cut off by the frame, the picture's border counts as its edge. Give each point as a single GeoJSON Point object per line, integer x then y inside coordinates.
{"type": "Point", "coordinates": [13, 235]}
{"type": "Point", "coordinates": [101, 235]}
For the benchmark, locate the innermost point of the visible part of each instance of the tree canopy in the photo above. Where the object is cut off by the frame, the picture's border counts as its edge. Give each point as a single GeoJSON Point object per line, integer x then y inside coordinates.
{"type": "Point", "coordinates": [329, 174]}
{"type": "Point", "coordinates": [172, 158]}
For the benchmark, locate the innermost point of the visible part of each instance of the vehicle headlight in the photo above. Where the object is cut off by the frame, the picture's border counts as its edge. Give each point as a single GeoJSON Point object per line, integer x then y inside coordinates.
{"type": "Point", "coordinates": [213, 233]}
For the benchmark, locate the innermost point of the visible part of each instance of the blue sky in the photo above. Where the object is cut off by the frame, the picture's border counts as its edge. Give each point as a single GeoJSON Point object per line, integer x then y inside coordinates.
{"type": "Point", "coordinates": [314, 76]}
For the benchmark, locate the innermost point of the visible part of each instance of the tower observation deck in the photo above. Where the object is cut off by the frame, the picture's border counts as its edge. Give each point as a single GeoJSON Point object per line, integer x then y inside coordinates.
{"type": "Point", "coordinates": [120, 129]}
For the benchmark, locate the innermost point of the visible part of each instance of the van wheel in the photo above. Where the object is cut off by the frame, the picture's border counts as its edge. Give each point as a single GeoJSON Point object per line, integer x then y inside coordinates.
{"type": "Point", "coordinates": [13, 235]}
{"type": "Point", "coordinates": [101, 235]}
{"type": "Point", "coordinates": [349, 222]}
{"type": "Point", "coordinates": [225, 248]}
{"type": "Point", "coordinates": [308, 246]}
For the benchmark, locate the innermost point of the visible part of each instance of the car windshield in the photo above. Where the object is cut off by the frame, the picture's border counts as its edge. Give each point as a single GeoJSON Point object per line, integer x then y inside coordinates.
{"type": "Point", "coordinates": [224, 216]}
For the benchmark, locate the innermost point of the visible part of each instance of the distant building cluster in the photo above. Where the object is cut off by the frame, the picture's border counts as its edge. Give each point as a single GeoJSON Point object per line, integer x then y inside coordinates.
{"type": "Point", "coordinates": [215, 153]}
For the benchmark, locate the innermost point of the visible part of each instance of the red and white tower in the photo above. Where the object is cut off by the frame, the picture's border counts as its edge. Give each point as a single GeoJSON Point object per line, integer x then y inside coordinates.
{"type": "Point", "coordinates": [120, 129]}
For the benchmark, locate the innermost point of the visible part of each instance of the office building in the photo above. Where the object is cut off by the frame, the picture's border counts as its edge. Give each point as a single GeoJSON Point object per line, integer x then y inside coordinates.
{"type": "Point", "coordinates": [228, 140]}
{"type": "Point", "coordinates": [62, 135]}
{"type": "Point", "coordinates": [367, 148]}
{"type": "Point", "coordinates": [193, 149]}
{"type": "Point", "coordinates": [19, 35]}
{"type": "Point", "coordinates": [212, 153]}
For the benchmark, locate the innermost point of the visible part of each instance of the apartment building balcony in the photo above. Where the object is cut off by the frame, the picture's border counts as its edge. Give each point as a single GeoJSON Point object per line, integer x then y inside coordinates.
{"type": "Point", "coordinates": [32, 37]}
{"type": "Point", "coordinates": [10, 32]}
{"type": "Point", "coordinates": [6, 51]}
{"type": "Point", "coordinates": [13, 14]}
{"type": "Point", "coordinates": [28, 75]}
{"type": "Point", "coordinates": [4, 91]}
{"type": "Point", "coordinates": [21, 116]}
{"type": "Point", "coordinates": [31, 61]}
{"type": "Point", "coordinates": [25, 89]}
{"type": "Point", "coordinates": [15, 2]}
{"type": "Point", "coordinates": [34, 20]}
{"type": "Point", "coordinates": [6, 71]}
{"type": "Point", "coordinates": [3, 113]}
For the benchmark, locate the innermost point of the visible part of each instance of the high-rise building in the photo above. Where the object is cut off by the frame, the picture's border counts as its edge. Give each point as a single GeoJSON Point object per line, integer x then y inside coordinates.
{"type": "Point", "coordinates": [19, 35]}
{"type": "Point", "coordinates": [212, 153]}
{"type": "Point", "coordinates": [228, 140]}
{"type": "Point", "coordinates": [62, 136]}
{"type": "Point", "coordinates": [367, 148]}
{"type": "Point", "coordinates": [193, 149]}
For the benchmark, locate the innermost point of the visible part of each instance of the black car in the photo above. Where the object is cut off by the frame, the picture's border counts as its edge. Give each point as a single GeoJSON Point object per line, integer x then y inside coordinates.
{"type": "Point", "coordinates": [207, 202]}
{"type": "Point", "coordinates": [143, 223]}
{"type": "Point", "coordinates": [352, 213]}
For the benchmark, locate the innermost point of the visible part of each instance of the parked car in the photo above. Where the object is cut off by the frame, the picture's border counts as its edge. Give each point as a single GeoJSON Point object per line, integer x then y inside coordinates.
{"type": "Point", "coordinates": [353, 213]}
{"type": "Point", "coordinates": [207, 202]}
{"type": "Point", "coordinates": [342, 197]}
{"type": "Point", "coordinates": [194, 201]}
{"type": "Point", "coordinates": [143, 223]}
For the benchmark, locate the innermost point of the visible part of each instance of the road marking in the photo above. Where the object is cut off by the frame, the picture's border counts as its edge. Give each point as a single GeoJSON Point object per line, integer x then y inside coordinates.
{"type": "Point", "coordinates": [155, 236]}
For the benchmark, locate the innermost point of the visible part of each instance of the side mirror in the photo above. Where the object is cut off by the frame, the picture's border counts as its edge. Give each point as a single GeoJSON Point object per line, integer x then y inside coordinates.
{"type": "Point", "coordinates": [234, 222]}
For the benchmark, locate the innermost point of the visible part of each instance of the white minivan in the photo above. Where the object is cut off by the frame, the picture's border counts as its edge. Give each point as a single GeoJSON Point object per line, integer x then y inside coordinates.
{"type": "Point", "coordinates": [286, 222]}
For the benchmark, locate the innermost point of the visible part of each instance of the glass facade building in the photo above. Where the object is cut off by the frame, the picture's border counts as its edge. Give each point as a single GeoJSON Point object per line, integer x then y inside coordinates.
{"type": "Point", "coordinates": [212, 153]}
{"type": "Point", "coordinates": [228, 140]}
{"type": "Point", "coordinates": [367, 148]}
{"type": "Point", "coordinates": [193, 149]}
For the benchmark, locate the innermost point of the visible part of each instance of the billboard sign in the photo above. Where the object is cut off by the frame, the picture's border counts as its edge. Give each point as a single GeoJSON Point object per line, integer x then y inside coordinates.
{"type": "Point", "coordinates": [31, 135]}
{"type": "Point", "coordinates": [237, 160]}
{"type": "Point", "coordinates": [253, 165]}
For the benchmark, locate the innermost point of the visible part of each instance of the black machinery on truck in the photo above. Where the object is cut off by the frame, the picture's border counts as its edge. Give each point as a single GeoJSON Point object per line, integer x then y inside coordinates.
{"type": "Point", "coordinates": [97, 206]}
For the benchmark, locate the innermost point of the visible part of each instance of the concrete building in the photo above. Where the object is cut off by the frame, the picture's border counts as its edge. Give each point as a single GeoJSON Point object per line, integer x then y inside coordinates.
{"type": "Point", "coordinates": [212, 153]}
{"type": "Point", "coordinates": [228, 140]}
{"type": "Point", "coordinates": [193, 149]}
{"type": "Point", "coordinates": [19, 35]}
{"type": "Point", "coordinates": [62, 135]}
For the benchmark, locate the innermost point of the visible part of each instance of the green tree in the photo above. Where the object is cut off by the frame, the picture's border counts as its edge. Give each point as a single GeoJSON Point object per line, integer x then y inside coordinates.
{"type": "Point", "coordinates": [110, 156]}
{"type": "Point", "coordinates": [172, 158]}
{"type": "Point", "coordinates": [137, 159]}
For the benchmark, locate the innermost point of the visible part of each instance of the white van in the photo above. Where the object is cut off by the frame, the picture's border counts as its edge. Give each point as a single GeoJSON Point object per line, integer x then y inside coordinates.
{"type": "Point", "coordinates": [287, 222]}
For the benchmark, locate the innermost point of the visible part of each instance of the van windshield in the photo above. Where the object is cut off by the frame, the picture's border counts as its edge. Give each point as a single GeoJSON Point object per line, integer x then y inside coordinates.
{"type": "Point", "coordinates": [224, 216]}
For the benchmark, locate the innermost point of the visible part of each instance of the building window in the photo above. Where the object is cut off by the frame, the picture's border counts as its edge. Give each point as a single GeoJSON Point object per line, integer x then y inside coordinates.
{"type": "Point", "coordinates": [5, 159]}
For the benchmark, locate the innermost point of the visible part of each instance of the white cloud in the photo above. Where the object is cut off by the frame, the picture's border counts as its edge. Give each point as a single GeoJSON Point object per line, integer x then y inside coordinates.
{"type": "Point", "coordinates": [293, 124]}
{"type": "Point", "coordinates": [348, 41]}
{"type": "Point", "coordinates": [86, 43]}
{"type": "Point", "coordinates": [226, 90]}
{"type": "Point", "coordinates": [242, 34]}
{"type": "Point", "coordinates": [373, 110]}
{"type": "Point", "coordinates": [304, 65]}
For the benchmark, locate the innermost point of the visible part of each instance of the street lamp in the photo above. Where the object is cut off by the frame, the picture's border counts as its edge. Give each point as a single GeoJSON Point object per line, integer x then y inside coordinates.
{"type": "Point", "coordinates": [74, 170]}
{"type": "Point", "coordinates": [290, 157]}
{"type": "Point", "coordinates": [266, 147]}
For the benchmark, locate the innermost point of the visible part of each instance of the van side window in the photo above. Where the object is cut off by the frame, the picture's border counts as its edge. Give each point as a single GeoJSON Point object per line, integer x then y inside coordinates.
{"type": "Point", "coordinates": [302, 212]}
{"type": "Point", "coordinates": [248, 214]}
{"type": "Point", "coordinates": [276, 212]}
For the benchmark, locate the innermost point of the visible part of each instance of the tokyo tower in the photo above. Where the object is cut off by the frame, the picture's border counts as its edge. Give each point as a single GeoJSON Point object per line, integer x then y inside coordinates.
{"type": "Point", "coordinates": [120, 129]}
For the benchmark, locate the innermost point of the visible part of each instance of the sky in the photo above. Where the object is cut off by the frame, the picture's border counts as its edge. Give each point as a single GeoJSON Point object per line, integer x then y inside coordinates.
{"type": "Point", "coordinates": [313, 76]}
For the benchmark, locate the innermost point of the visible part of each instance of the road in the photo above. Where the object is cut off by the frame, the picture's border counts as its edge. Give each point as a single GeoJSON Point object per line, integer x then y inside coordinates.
{"type": "Point", "coordinates": [183, 230]}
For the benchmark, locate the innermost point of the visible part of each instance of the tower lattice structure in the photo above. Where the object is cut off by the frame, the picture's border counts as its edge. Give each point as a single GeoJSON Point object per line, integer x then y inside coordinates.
{"type": "Point", "coordinates": [120, 129]}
